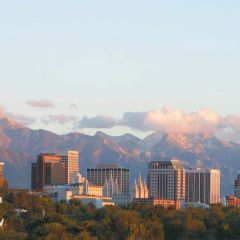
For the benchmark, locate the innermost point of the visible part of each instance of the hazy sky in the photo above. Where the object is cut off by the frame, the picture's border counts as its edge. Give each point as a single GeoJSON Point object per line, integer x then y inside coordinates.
{"type": "Point", "coordinates": [90, 58]}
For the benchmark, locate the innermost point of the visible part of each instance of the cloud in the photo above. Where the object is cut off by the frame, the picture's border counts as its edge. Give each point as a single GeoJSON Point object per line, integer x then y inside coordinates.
{"type": "Point", "coordinates": [96, 122]}
{"type": "Point", "coordinates": [19, 118]}
{"type": "Point", "coordinates": [134, 120]}
{"type": "Point", "coordinates": [169, 119]}
{"type": "Point", "coordinates": [166, 119]}
{"type": "Point", "coordinates": [22, 119]}
{"type": "Point", "coordinates": [59, 118]}
{"type": "Point", "coordinates": [40, 103]}
{"type": "Point", "coordinates": [232, 121]}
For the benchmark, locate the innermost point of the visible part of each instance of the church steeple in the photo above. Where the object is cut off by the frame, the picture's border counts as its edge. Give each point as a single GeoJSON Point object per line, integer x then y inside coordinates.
{"type": "Point", "coordinates": [140, 189]}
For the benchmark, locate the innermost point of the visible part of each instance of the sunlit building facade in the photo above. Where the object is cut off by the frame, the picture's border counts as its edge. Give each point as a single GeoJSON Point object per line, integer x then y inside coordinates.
{"type": "Point", "coordinates": [166, 179]}
{"type": "Point", "coordinates": [71, 161]}
{"type": "Point", "coordinates": [1, 174]}
{"type": "Point", "coordinates": [43, 171]}
{"type": "Point", "coordinates": [140, 189]}
{"type": "Point", "coordinates": [202, 186]}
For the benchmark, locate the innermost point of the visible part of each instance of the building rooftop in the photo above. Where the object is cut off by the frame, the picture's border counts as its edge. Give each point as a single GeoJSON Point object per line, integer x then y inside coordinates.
{"type": "Point", "coordinates": [108, 166]}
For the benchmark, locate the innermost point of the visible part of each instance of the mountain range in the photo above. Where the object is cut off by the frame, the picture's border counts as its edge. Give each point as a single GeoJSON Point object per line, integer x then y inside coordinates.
{"type": "Point", "coordinates": [19, 146]}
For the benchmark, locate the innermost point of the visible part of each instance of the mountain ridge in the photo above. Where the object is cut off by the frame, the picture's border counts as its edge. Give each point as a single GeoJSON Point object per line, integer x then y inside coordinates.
{"type": "Point", "coordinates": [20, 145]}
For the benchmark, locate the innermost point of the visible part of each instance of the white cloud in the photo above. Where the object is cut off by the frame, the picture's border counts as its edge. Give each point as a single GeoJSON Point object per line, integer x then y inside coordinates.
{"type": "Point", "coordinates": [169, 119]}
{"type": "Point", "coordinates": [166, 119]}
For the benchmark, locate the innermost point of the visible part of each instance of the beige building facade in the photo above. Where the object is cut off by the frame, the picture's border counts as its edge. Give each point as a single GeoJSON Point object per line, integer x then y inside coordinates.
{"type": "Point", "coordinates": [202, 186]}
{"type": "Point", "coordinates": [166, 179]}
{"type": "Point", "coordinates": [71, 165]}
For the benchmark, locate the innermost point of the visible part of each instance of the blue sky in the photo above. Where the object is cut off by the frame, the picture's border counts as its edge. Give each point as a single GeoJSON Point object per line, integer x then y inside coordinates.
{"type": "Point", "coordinates": [112, 57]}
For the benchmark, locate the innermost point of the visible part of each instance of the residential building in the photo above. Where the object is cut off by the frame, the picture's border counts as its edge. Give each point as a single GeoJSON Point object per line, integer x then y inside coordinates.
{"type": "Point", "coordinates": [202, 186]}
{"type": "Point", "coordinates": [166, 179]}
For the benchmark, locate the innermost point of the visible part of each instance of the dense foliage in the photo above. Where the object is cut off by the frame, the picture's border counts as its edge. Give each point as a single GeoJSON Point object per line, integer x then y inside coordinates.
{"type": "Point", "coordinates": [48, 220]}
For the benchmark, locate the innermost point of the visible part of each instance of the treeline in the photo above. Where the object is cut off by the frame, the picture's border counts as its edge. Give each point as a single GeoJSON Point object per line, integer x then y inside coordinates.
{"type": "Point", "coordinates": [45, 219]}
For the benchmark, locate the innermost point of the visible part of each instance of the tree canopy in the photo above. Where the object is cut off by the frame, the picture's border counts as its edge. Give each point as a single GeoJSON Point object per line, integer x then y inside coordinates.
{"type": "Point", "coordinates": [45, 219]}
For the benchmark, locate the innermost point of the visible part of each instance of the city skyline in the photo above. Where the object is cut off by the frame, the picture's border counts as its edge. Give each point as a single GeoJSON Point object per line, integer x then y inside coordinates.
{"type": "Point", "coordinates": [119, 119]}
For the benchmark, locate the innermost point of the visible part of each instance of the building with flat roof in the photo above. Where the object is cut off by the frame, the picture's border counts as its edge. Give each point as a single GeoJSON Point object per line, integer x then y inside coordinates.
{"type": "Point", "coordinates": [166, 179]}
{"type": "Point", "coordinates": [53, 169]}
{"type": "Point", "coordinates": [42, 170]}
{"type": "Point", "coordinates": [107, 173]}
{"type": "Point", "coordinates": [166, 203]}
{"type": "Point", "coordinates": [97, 201]}
{"type": "Point", "coordinates": [71, 161]}
{"type": "Point", "coordinates": [58, 174]}
{"type": "Point", "coordinates": [237, 187]}
{"type": "Point", "coordinates": [232, 201]}
{"type": "Point", "coordinates": [202, 186]}
{"type": "Point", "coordinates": [1, 174]}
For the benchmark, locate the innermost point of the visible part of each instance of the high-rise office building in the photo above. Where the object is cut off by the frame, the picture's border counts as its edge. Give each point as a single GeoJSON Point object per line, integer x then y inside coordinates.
{"type": "Point", "coordinates": [34, 176]}
{"type": "Point", "coordinates": [202, 186]}
{"type": "Point", "coordinates": [43, 169]}
{"type": "Point", "coordinates": [58, 174]}
{"type": "Point", "coordinates": [106, 172]}
{"type": "Point", "coordinates": [71, 165]}
{"type": "Point", "coordinates": [1, 174]}
{"type": "Point", "coordinates": [237, 187]}
{"type": "Point", "coordinates": [166, 179]}
{"type": "Point", "coordinates": [52, 169]}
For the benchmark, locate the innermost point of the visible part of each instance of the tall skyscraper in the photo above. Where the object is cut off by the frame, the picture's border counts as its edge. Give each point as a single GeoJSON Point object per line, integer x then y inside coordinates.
{"type": "Point", "coordinates": [58, 174]}
{"type": "Point", "coordinates": [34, 176]}
{"type": "Point", "coordinates": [52, 169]}
{"type": "Point", "coordinates": [166, 179]}
{"type": "Point", "coordinates": [71, 165]}
{"type": "Point", "coordinates": [237, 187]}
{"type": "Point", "coordinates": [42, 170]}
{"type": "Point", "coordinates": [103, 172]}
{"type": "Point", "coordinates": [202, 186]}
{"type": "Point", "coordinates": [1, 174]}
